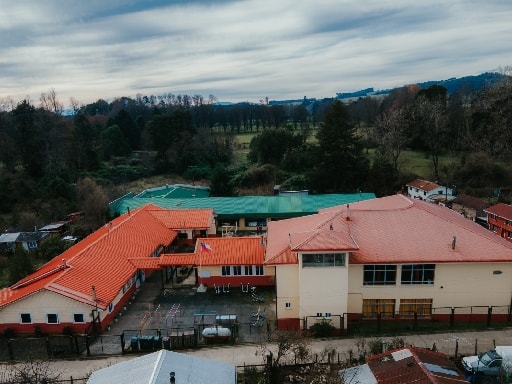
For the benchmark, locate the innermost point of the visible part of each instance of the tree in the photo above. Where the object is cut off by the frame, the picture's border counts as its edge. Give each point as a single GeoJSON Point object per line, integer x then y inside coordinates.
{"type": "Point", "coordinates": [50, 102]}
{"type": "Point", "coordinates": [19, 265]}
{"type": "Point", "coordinates": [220, 182]}
{"type": "Point", "coordinates": [114, 143]}
{"type": "Point", "coordinates": [391, 131]}
{"type": "Point", "coordinates": [341, 166]}
{"type": "Point", "coordinates": [271, 145]}
{"type": "Point", "coordinates": [93, 201]}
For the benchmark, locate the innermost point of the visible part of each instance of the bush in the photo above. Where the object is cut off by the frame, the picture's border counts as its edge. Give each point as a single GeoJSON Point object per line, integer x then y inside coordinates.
{"type": "Point", "coordinates": [67, 331]}
{"type": "Point", "coordinates": [9, 333]}
{"type": "Point", "coordinates": [322, 329]}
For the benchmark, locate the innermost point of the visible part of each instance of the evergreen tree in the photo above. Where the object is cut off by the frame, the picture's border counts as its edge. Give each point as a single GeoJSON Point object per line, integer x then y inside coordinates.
{"type": "Point", "coordinates": [341, 166]}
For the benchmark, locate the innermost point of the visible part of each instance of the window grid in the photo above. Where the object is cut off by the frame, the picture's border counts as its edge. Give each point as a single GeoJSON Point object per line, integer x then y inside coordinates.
{"type": "Point", "coordinates": [382, 307]}
{"type": "Point", "coordinates": [422, 307]}
{"type": "Point", "coordinates": [379, 274]}
{"type": "Point", "coordinates": [418, 274]}
{"type": "Point", "coordinates": [238, 270]}
{"type": "Point", "coordinates": [323, 260]}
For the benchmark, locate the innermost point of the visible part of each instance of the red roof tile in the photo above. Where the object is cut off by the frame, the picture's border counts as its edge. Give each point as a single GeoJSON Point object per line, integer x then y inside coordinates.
{"type": "Point", "coordinates": [224, 251]}
{"type": "Point", "coordinates": [414, 365]}
{"type": "Point", "coordinates": [109, 257]}
{"type": "Point", "coordinates": [424, 185]}
{"type": "Point", "coordinates": [502, 210]}
{"type": "Point", "coordinates": [184, 218]}
{"type": "Point", "coordinates": [393, 229]}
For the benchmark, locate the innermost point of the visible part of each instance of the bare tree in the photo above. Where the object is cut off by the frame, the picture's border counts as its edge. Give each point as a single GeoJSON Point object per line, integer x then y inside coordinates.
{"type": "Point", "coordinates": [285, 347]}
{"type": "Point", "coordinates": [29, 372]}
{"type": "Point", "coordinates": [50, 102]}
{"type": "Point", "coordinates": [392, 135]}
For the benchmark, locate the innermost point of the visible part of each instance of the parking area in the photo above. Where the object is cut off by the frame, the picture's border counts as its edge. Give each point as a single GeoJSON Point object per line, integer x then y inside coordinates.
{"type": "Point", "coordinates": [223, 314]}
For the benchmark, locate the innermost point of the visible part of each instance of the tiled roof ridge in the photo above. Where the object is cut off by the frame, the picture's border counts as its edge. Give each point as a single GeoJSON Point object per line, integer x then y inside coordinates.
{"type": "Point", "coordinates": [60, 289]}
{"type": "Point", "coordinates": [424, 208]}
{"type": "Point", "coordinates": [24, 283]}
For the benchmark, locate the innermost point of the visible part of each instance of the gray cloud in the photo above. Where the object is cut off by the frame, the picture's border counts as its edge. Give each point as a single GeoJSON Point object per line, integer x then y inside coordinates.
{"type": "Point", "coordinates": [244, 50]}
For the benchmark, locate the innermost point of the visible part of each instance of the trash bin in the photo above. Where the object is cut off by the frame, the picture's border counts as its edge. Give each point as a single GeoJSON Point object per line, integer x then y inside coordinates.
{"type": "Point", "coordinates": [134, 342]}
{"type": "Point", "coordinates": [167, 343]}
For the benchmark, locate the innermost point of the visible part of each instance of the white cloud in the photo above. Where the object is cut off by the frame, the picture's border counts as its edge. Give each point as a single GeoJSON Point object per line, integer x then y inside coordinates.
{"type": "Point", "coordinates": [244, 50]}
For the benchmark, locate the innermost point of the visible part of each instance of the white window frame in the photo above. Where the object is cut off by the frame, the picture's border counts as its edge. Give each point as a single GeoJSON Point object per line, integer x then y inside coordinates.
{"type": "Point", "coordinates": [25, 313]}
{"type": "Point", "coordinates": [288, 305]}
{"type": "Point", "coordinates": [81, 314]}
{"type": "Point", "coordinates": [51, 314]}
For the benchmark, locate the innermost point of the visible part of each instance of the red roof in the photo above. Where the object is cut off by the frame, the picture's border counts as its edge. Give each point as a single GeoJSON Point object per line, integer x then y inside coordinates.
{"type": "Point", "coordinates": [502, 210]}
{"type": "Point", "coordinates": [393, 229]}
{"type": "Point", "coordinates": [224, 251]}
{"type": "Point", "coordinates": [109, 257]}
{"type": "Point", "coordinates": [414, 365]}
{"type": "Point", "coordinates": [424, 185]}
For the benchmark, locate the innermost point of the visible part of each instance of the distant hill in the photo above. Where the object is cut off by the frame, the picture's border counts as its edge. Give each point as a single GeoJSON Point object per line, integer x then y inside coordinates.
{"type": "Point", "coordinates": [466, 84]}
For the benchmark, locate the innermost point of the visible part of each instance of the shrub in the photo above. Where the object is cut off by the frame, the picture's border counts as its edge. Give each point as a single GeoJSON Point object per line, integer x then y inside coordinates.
{"type": "Point", "coordinates": [322, 329]}
{"type": "Point", "coordinates": [9, 333]}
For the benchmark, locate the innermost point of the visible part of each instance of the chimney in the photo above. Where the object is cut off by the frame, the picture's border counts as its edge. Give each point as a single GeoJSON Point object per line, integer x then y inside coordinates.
{"type": "Point", "coordinates": [64, 264]}
{"type": "Point", "coordinates": [172, 379]}
{"type": "Point", "coordinates": [348, 212]}
{"type": "Point", "coordinates": [94, 298]}
{"type": "Point", "coordinates": [454, 240]}
{"type": "Point", "coordinates": [128, 211]}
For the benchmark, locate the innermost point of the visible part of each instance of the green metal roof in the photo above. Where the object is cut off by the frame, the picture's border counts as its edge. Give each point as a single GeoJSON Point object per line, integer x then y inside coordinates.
{"type": "Point", "coordinates": [277, 206]}
{"type": "Point", "coordinates": [175, 191]}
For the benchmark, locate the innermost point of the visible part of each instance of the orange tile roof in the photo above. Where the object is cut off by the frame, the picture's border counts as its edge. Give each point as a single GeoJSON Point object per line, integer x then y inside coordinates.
{"type": "Point", "coordinates": [224, 251]}
{"type": "Point", "coordinates": [107, 258]}
{"type": "Point", "coordinates": [184, 218]}
{"type": "Point", "coordinates": [424, 185]}
{"type": "Point", "coordinates": [502, 210]}
{"type": "Point", "coordinates": [393, 229]}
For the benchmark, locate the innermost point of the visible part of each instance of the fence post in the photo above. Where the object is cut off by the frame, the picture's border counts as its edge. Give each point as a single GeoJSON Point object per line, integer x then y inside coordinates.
{"type": "Point", "coordinates": [415, 323]}
{"type": "Point", "coordinates": [87, 346]}
{"type": "Point", "coordinates": [456, 348]}
{"type": "Point", "coordinates": [9, 348]}
{"type": "Point", "coordinates": [122, 342]}
{"type": "Point", "coordinates": [378, 322]}
{"type": "Point", "coordinates": [77, 346]}
{"type": "Point", "coordinates": [476, 346]}
{"type": "Point", "coordinates": [489, 315]}
{"type": "Point", "coordinates": [452, 317]}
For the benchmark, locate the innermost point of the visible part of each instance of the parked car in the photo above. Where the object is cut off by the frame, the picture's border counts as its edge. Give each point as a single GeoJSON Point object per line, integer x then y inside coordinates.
{"type": "Point", "coordinates": [488, 363]}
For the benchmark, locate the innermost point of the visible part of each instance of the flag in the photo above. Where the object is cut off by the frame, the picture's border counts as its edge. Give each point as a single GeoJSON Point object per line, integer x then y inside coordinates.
{"type": "Point", "coordinates": [205, 247]}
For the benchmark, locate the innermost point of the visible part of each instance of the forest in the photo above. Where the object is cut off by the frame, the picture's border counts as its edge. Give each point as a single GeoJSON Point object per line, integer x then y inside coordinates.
{"type": "Point", "coordinates": [53, 163]}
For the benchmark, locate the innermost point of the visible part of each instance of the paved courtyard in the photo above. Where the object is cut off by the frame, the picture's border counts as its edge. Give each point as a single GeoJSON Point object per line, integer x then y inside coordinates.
{"type": "Point", "coordinates": [179, 309]}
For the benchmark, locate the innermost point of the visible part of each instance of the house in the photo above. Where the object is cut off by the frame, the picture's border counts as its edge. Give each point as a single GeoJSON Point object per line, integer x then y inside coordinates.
{"type": "Point", "coordinates": [405, 365]}
{"type": "Point", "coordinates": [164, 367]}
{"type": "Point", "coordinates": [234, 215]}
{"type": "Point", "coordinates": [86, 286]}
{"type": "Point", "coordinates": [429, 191]}
{"type": "Point", "coordinates": [499, 219]}
{"type": "Point", "coordinates": [391, 257]}
{"type": "Point", "coordinates": [29, 241]}
{"type": "Point", "coordinates": [471, 208]}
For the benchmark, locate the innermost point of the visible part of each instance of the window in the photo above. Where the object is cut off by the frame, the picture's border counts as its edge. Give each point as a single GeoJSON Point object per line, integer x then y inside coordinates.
{"type": "Point", "coordinates": [239, 270]}
{"type": "Point", "coordinates": [379, 274]}
{"type": "Point", "coordinates": [111, 307]}
{"type": "Point", "coordinates": [382, 307]}
{"type": "Point", "coordinates": [52, 318]}
{"type": "Point", "coordinates": [251, 222]}
{"type": "Point", "coordinates": [78, 318]}
{"type": "Point", "coordinates": [422, 307]}
{"type": "Point", "coordinates": [32, 244]}
{"type": "Point", "coordinates": [319, 314]}
{"type": "Point", "coordinates": [25, 318]}
{"type": "Point", "coordinates": [328, 315]}
{"type": "Point", "coordinates": [323, 260]}
{"type": "Point", "coordinates": [418, 274]}
{"type": "Point", "coordinates": [288, 305]}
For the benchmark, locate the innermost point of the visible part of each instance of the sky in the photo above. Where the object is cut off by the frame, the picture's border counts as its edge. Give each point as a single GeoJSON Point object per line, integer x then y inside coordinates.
{"type": "Point", "coordinates": [243, 50]}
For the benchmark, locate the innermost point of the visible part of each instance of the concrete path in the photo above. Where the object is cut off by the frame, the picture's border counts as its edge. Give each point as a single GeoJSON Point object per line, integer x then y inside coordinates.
{"type": "Point", "coordinates": [248, 353]}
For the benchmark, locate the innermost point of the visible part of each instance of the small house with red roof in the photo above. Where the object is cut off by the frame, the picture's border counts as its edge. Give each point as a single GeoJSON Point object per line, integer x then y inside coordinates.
{"type": "Point", "coordinates": [429, 191]}
{"type": "Point", "coordinates": [403, 366]}
{"type": "Point", "coordinates": [391, 257]}
{"type": "Point", "coordinates": [85, 287]}
{"type": "Point", "coordinates": [499, 219]}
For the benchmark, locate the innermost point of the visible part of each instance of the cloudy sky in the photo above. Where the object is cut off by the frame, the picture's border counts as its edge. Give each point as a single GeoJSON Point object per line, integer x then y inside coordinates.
{"type": "Point", "coordinates": [244, 50]}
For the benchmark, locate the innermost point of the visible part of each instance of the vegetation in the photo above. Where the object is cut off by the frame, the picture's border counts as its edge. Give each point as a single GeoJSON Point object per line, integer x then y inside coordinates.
{"type": "Point", "coordinates": [53, 164]}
